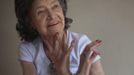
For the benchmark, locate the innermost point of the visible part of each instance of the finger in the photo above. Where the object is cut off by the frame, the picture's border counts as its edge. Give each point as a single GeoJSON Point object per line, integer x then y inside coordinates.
{"type": "Point", "coordinates": [64, 38]}
{"type": "Point", "coordinates": [64, 43]}
{"type": "Point", "coordinates": [94, 44]}
{"type": "Point", "coordinates": [73, 44]}
{"type": "Point", "coordinates": [54, 59]}
{"type": "Point", "coordinates": [48, 46]}
{"type": "Point", "coordinates": [89, 54]}
{"type": "Point", "coordinates": [56, 42]}
{"type": "Point", "coordinates": [58, 50]}
{"type": "Point", "coordinates": [97, 52]}
{"type": "Point", "coordinates": [87, 51]}
{"type": "Point", "coordinates": [93, 51]}
{"type": "Point", "coordinates": [57, 53]}
{"type": "Point", "coordinates": [67, 53]}
{"type": "Point", "coordinates": [94, 54]}
{"type": "Point", "coordinates": [55, 37]}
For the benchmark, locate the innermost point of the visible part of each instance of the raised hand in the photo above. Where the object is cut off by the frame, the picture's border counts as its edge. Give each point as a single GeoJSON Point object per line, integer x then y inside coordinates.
{"type": "Point", "coordinates": [59, 52]}
{"type": "Point", "coordinates": [87, 58]}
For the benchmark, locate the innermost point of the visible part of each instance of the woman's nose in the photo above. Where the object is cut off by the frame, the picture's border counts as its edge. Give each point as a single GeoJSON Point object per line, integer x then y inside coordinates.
{"type": "Point", "coordinates": [51, 15]}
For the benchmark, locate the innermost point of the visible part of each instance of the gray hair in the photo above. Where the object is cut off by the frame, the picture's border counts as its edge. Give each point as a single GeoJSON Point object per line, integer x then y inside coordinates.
{"type": "Point", "coordinates": [23, 26]}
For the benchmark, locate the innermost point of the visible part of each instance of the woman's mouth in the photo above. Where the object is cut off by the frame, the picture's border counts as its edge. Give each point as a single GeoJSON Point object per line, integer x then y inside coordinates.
{"type": "Point", "coordinates": [54, 24]}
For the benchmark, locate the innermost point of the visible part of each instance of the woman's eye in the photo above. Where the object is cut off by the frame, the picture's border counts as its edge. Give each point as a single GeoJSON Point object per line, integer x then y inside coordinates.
{"type": "Point", "coordinates": [40, 12]}
{"type": "Point", "coordinates": [55, 6]}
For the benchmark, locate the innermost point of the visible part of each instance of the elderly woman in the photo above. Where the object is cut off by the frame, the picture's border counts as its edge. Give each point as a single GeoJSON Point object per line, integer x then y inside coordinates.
{"type": "Point", "coordinates": [47, 47]}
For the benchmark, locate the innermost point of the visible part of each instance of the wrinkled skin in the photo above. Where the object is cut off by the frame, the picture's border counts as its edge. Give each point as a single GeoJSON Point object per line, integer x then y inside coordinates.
{"type": "Point", "coordinates": [48, 19]}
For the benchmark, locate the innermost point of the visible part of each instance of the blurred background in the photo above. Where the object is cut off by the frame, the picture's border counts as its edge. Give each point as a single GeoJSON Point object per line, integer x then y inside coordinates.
{"type": "Point", "coordinates": [112, 21]}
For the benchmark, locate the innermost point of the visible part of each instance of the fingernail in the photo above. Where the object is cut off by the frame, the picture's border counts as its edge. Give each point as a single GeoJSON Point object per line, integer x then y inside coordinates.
{"type": "Point", "coordinates": [99, 41]}
{"type": "Point", "coordinates": [99, 53]}
{"type": "Point", "coordinates": [73, 42]}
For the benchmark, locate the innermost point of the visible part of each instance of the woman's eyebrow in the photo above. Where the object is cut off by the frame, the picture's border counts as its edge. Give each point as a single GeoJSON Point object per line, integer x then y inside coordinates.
{"type": "Point", "coordinates": [40, 7]}
{"type": "Point", "coordinates": [54, 1]}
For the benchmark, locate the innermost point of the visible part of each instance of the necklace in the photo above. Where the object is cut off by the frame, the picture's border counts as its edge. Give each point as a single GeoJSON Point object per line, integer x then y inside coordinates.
{"type": "Point", "coordinates": [52, 69]}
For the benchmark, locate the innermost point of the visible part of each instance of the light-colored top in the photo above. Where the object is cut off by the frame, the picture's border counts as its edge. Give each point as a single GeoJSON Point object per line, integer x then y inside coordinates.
{"type": "Point", "coordinates": [34, 52]}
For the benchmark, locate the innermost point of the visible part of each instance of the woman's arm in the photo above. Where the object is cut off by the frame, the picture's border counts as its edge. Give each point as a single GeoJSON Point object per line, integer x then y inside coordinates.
{"type": "Point", "coordinates": [97, 69]}
{"type": "Point", "coordinates": [28, 68]}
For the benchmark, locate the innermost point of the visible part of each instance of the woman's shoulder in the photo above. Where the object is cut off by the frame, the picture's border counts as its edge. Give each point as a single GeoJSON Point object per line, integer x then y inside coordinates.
{"type": "Point", "coordinates": [30, 43]}
{"type": "Point", "coordinates": [78, 36]}
{"type": "Point", "coordinates": [29, 46]}
{"type": "Point", "coordinates": [27, 50]}
{"type": "Point", "coordinates": [82, 40]}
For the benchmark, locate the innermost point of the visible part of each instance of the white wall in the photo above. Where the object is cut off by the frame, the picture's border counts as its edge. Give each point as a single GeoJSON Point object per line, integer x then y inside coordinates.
{"type": "Point", "coordinates": [8, 39]}
{"type": "Point", "coordinates": [113, 22]}
{"type": "Point", "coordinates": [109, 20]}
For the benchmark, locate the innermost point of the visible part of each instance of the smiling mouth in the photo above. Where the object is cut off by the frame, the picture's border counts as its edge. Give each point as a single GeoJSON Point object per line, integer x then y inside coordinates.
{"type": "Point", "coordinates": [51, 25]}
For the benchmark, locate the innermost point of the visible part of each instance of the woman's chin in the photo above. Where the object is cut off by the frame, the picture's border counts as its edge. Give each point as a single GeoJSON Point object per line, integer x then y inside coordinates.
{"type": "Point", "coordinates": [53, 32]}
{"type": "Point", "coordinates": [56, 28]}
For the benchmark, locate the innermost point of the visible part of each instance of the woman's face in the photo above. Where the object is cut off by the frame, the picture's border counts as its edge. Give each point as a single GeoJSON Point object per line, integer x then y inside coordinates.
{"type": "Point", "coordinates": [47, 17]}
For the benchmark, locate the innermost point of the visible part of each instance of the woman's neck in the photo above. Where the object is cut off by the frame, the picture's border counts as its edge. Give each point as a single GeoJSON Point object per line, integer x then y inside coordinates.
{"type": "Point", "coordinates": [52, 37]}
